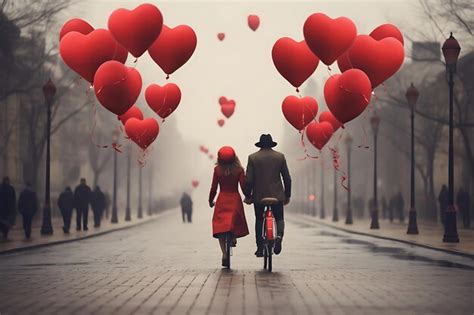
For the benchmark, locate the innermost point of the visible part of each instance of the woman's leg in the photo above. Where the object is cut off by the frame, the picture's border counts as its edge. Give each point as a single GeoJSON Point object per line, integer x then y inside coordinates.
{"type": "Point", "coordinates": [222, 244]}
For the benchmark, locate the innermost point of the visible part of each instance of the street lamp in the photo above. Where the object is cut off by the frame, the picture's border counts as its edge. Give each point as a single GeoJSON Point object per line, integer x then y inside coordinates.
{"type": "Point", "coordinates": [114, 218]}
{"type": "Point", "coordinates": [335, 214]}
{"type": "Point", "coordinates": [412, 97]}
{"type": "Point", "coordinates": [348, 142]}
{"type": "Point", "coordinates": [374, 224]}
{"type": "Point", "coordinates": [49, 90]}
{"type": "Point", "coordinates": [140, 210]}
{"type": "Point", "coordinates": [127, 208]}
{"type": "Point", "coordinates": [150, 199]}
{"type": "Point", "coordinates": [313, 190]}
{"type": "Point", "coordinates": [451, 50]}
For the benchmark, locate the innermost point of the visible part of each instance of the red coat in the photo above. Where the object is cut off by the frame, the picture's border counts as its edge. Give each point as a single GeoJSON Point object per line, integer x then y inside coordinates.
{"type": "Point", "coordinates": [229, 213]}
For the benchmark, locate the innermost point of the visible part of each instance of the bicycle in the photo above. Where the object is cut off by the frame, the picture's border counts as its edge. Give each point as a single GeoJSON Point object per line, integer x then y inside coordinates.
{"type": "Point", "coordinates": [269, 232]}
{"type": "Point", "coordinates": [229, 241]}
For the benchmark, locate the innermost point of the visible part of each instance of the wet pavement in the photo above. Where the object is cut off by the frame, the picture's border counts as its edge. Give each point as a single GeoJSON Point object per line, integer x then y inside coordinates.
{"type": "Point", "coordinates": [167, 267]}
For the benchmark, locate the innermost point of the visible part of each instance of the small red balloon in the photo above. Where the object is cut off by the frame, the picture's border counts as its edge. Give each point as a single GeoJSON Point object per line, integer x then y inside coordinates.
{"type": "Point", "coordinates": [294, 60]}
{"type": "Point", "coordinates": [387, 30]}
{"type": "Point", "coordinates": [319, 133]}
{"type": "Point", "coordinates": [379, 59]}
{"type": "Point", "coordinates": [221, 122]}
{"type": "Point", "coordinates": [75, 25]}
{"type": "Point", "coordinates": [329, 38]}
{"type": "Point", "coordinates": [299, 112]}
{"type": "Point", "coordinates": [221, 36]}
{"type": "Point", "coordinates": [133, 112]}
{"type": "Point", "coordinates": [253, 22]}
{"type": "Point", "coordinates": [228, 108]}
{"type": "Point", "coordinates": [329, 117]}
{"type": "Point", "coordinates": [142, 132]}
{"type": "Point", "coordinates": [348, 94]}
{"type": "Point", "coordinates": [173, 47]}
{"type": "Point", "coordinates": [223, 100]}
{"type": "Point", "coordinates": [195, 183]}
{"type": "Point", "coordinates": [117, 87]}
{"type": "Point", "coordinates": [163, 100]}
{"type": "Point", "coordinates": [136, 29]}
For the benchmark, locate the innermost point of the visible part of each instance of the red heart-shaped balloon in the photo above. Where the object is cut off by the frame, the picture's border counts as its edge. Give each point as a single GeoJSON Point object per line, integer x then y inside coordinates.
{"type": "Point", "coordinates": [344, 63]}
{"type": "Point", "coordinates": [387, 30]}
{"type": "Point", "coordinates": [195, 183]}
{"type": "Point", "coordinates": [173, 47]}
{"type": "Point", "coordinates": [163, 100]}
{"type": "Point", "coordinates": [221, 122]}
{"type": "Point", "coordinates": [117, 87]}
{"type": "Point", "coordinates": [223, 100]}
{"type": "Point", "coordinates": [85, 53]}
{"type": "Point", "coordinates": [294, 60]}
{"type": "Point", "coordinates": [75, 25]}
{"type": "Point", "coordinates": [319, 133]}
{"type": "Point", "coordinates": [328, 38]}
{"type": "Point", "coordinates": [379, 59]}
{"type": "Point", "coordinates": [137, 29]}
{"type": "Point", "coordinates": [329, 117]}
{"type": "Point", "coordinates": [228, 108]}
{"type": "Point", "coordinates": [142, 132]}
{"type": "Point", "coordinates": [133, 112]}
{"type": "Point", "coordinates": [253, 22]}
{"type": "Point", "coordinates": [221, 36]}
{"type": "Point", "coordinates": [299, 112]}
{"type": "Point", "coordinates": [348, 94]}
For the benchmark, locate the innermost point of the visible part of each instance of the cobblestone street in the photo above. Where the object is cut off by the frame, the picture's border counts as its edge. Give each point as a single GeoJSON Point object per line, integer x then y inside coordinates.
{"type": "Point", "coordinates": [167, 267]}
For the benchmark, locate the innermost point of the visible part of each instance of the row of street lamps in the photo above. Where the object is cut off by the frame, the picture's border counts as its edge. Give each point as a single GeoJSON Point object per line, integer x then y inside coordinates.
{"type": "Point", "coordinates": [451, 50]}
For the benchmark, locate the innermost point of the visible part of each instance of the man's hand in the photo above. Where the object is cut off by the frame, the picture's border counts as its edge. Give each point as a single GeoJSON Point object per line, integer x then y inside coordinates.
{"type": "Point", "coordinates": [248, 201]}
{"type": "Point", "coordinates": [211, 204]}
{"type": "Point", "coordinates": [287, 201]}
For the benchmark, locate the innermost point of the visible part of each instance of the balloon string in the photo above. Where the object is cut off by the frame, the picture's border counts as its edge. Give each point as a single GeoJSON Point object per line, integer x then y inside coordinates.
{"type": "Point", "coordinates": [114, 83]}
{"type": "Point", "coordinates": [337, 166]}
{"type": "Point", "coordinates": [352, 92]}
{"type": "Point", "coordinates": [305, 150]}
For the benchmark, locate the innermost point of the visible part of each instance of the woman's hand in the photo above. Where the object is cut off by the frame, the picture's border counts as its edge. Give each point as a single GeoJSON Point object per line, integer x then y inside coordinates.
{"type": "Point", "coordinates": [211, 204]}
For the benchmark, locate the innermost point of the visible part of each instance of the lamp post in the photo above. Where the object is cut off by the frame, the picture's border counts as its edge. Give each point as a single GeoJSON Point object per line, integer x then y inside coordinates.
{"type": "Point", "coordinates": [128, 216]}
{"type": "Point", "coordinates": [140, 210]}
{"type": "Point", "coordinates": [114, 218]}
{"type": "Point", "coordinates": [335, 214]}
{"type": "Point", "coordinates": [150, 199]}
{"type": "Point", "coordinates": [322, 212]}
{"type": "Point", "coordinates": [313, 190]}
{"type": "Point", "coordinates": [451, 50]}
{"type": "Point", "coordinates": [374, 224]}
{"type": "Point", "coordinates": [348, 142]}
{"type": "Point", "coordinates": [412, 97]}
{"type": "Point", "coordinates": [49, 90]}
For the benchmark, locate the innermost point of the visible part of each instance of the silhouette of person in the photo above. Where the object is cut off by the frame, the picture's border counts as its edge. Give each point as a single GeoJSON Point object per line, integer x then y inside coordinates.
{"type": "Point", "coordinates": [7, 206]}
{"type": "Point", "coordinates": [82, 195]}
{"type": "Point", "coordinates": [27, 207]}
{"type": "Point", "coordinates": [98, 203]}
{"type": "Point", "coordinates": [66, 205]}
{"type": "Point", "coordinates": [463, 202]}
{"type": "Point", "coordinates": [186, 207]}
{"type": "Point", "coordinates": [443, 203]}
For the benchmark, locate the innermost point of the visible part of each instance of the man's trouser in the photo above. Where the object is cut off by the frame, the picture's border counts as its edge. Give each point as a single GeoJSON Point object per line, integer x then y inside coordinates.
{"type": "Point", "coordinates": [277, 210]}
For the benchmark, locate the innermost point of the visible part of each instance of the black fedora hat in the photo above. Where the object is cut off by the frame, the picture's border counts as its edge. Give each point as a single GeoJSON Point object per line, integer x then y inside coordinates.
{"type": "Point", "coordinates": [266, 141]}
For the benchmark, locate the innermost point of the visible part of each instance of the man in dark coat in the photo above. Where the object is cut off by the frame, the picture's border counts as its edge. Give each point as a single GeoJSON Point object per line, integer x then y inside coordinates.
{"type": "Point", "coordinates": [443, 203]}
{"type": "Point", "coordinates": [82, 195]}
{"type": "Point", "coordinates": [268, 177]}
{"type": "Point", "coordinates": [7, 206]}
{"type": "Point", "coordinates": [98, 203]}
{"type": "Point", "coordinates": [400, 206]}
{"type": "Point", "coordinates": [27, 207]}
{"type": "Point", "coordinates": [66, 205]}
{"type": "Point", "coordinates": [186, 207]}
{"type": "Point", "coordinates": [463, 202]}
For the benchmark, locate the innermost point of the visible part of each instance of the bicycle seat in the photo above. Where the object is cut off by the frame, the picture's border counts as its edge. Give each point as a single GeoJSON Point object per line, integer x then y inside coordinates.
{"type": "Point", "coordinates": [269, 201]}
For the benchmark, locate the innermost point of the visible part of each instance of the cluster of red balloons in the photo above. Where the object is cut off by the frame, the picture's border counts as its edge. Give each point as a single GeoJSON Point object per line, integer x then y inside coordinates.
{"type": "Point", "coordinates": [253, 22]}
{"type": "Point", "coordinates": [227, 109]}
{"type": "Point", "coordinates": [99, 56]}
{"type": "Point", "coordinates": [365, 62]}
{"type": "Point", "coordinates": [205, 150]}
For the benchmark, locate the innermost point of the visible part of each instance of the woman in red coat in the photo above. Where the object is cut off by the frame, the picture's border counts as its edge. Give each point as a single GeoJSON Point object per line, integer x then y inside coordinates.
{"type": "Point", "coordinates": [229, 213]}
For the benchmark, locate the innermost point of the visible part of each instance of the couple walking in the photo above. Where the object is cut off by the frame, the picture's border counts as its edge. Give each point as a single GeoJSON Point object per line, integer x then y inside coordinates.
{"type": "Point", "coordinates": [265, 170]}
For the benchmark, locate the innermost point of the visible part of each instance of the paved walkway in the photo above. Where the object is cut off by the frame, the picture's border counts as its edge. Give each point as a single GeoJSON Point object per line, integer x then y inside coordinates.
{"type": "Point", "coordinates": [167, 267]}
{"type": "Point", "coordinates": [16, 238]}
{"type": "Point", "coordinates": [430, 235]}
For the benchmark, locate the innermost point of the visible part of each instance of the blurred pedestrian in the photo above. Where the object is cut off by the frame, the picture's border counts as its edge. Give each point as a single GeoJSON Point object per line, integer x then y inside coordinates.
{"type": "Point", "coordinates": [391, 208]}
{"type": "Point", "coordinates": [400, 206]}
{"type": "Point", "coordinates": [384, 208]}
{"type": "Point", "coordinates": [463, 202]}
{"type": "Point", "coordinates": [186, 207]}
{"type": "Point", "coordinates": [443, 203]}
{"type": "Point", "coordinates": [98, 204]}
{"type": "Point", "coordinates": [7, 206]}
{"type": "Point", "coordinates": [27, 207]}
{"type": "Point", "coordinates": [358, 205]}
{"type": "Point", "coordinates": [66, 205]}
{"type": "Point", "coordinates": [82, 195]}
